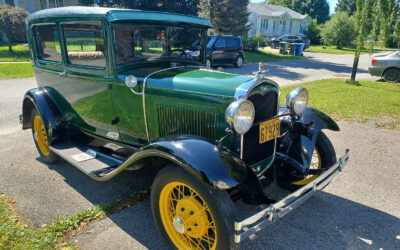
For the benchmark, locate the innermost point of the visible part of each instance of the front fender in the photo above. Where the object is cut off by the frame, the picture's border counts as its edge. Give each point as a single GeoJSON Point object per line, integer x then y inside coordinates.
{"type": "Point", "coordinates": [298, 146]}
{"type": "Point", "coordinates": [209, 163]}
{"type": "Point", "coordinates": [40, 99]}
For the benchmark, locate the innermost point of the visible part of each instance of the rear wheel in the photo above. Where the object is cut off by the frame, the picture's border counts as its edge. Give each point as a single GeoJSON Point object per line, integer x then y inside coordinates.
{"type": "Point", "coordinates": [239, 61]}
{"type": "Point", "coordinates": [208, 63]}
{"type": "Point", "coordinates": [190, 215]}
{"type": "Point", "coordinates": [392, 75]}
{"type": "Point", "coordinates": [324, 156]}
{"type": "Point", "coordinates": [40, 138]}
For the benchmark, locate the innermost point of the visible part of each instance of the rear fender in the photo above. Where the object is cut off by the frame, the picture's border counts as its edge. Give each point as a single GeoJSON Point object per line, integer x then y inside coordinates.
{"type": "Point", "coordinates": [39, 99]}
{"type": "Point", "coordinates": [212, 165]}
{"type": "Point", "coordinates": [299, 146]}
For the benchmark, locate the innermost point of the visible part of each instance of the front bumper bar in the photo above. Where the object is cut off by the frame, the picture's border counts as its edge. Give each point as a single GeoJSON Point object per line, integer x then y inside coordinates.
{"type": "Point", "coordinates": [287, 204]}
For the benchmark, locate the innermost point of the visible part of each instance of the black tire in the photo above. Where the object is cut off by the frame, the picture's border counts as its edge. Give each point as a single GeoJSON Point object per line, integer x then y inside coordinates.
{"type": "Point", "coordinates": [392, 75]}
{"type": "Point", "coordinates": [219, 203]}
{"type": "Point", "coordinates": [47, 156]}
{"type": "Point", "coordinates": [239, 61]}
{"type": "Point", "coordinates": [327, 156]}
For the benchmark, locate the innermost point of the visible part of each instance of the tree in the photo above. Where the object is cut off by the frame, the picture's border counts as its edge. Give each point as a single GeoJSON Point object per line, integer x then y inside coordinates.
{"type": "Point", "coordinates": [313, 32]}
{"type": "Point", "coordinates": [349, 6]}
{"type": "Point", "coordinates": [187, 7]}
{"type": "Point", "coordinates": [229, 17]}
{"type": "Point", "coordinates": [339, 30]}
{"type": "Point", "coordinates": [318, 9]}
{"type": "Point", "coordinates": [12, 22]}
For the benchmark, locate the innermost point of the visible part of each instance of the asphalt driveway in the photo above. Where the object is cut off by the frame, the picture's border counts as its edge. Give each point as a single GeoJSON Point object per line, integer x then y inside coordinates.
{"type": "Point", "coordinates": [315, 67]}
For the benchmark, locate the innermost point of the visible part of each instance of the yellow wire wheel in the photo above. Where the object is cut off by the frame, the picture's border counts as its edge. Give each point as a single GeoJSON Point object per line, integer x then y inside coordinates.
{"type": "Point", "coordinates": [316, 163]}
{"type": "Point", "coordinates": [186, 217]}
{"type": "Point", "coordinates": [40, 136]}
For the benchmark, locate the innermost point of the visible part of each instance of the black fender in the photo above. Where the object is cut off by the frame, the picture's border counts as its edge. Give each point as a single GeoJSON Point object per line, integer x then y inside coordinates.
{"type": "Point", "coordinates": [296, 146]}
{"type": "Point", "coordinates": [212, 165]}
{"type": "Point", "coordinates": [40, 99]}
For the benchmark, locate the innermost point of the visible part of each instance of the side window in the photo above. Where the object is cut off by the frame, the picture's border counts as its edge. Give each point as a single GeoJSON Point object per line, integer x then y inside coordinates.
{"type": "Point", "coordinates": [47, 43]}
{"type": "Point", "coordinates": [85, 44]}
{"type": "Point", "coordinates": [220, 43]}
{"type": "Point", "coordinates": [232, 43]}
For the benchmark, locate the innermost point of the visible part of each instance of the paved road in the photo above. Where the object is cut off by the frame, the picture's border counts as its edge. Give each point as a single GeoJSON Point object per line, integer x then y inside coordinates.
{"type": "Point", "coordinates": [316, 66]}
{"type": "Point", "coordinates": [359, 210]}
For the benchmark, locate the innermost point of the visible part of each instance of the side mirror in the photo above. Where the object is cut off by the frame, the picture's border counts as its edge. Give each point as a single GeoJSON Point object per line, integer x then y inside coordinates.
{"type": "Point", "coordinates": [131, 81]}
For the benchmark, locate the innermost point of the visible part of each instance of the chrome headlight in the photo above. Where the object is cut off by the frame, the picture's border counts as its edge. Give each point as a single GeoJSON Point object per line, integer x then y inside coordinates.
{"type": "Point", "coordinates": [240, 116]}
{"type": "Point", "coordinates": [296, 101]}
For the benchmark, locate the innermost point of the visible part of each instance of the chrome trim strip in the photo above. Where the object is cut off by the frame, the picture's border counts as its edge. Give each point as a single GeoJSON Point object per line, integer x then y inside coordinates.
{"type": "Point", "coordinates": [287, 204]}
{"type": "Point", "coordinates": [144, 93]}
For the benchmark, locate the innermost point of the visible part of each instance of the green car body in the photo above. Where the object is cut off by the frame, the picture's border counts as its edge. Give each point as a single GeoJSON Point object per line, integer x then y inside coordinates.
{"type": "Point", "coordinates": [146, 99]}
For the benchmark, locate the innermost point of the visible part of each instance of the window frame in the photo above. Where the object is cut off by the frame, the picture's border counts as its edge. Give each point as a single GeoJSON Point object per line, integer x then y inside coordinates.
{"type": "Point", "coordinates": [64, 44]}
{"type": "Point", "coordinates": [37, 58]}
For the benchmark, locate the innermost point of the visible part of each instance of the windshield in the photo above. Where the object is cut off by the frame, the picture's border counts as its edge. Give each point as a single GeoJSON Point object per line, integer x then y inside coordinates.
{"type": "Point", "coordinates": [143, 42]}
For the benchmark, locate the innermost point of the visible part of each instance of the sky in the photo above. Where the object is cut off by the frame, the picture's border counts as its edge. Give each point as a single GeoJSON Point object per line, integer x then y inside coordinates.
{"type": "Point", "coordinates": [332, 4]}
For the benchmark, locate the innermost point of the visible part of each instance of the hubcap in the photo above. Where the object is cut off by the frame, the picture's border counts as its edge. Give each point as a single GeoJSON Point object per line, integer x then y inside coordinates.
{"type": "Point", "coordinates": [208, 64]}
{"type": "Point", "coordinates": [192, 226]}
{"type": "Point", "coordinates": [239, 61]}
{"type": "Point", "coordinates": [178, 225]}
{"type": "Point", "coordinates": [40, 136]}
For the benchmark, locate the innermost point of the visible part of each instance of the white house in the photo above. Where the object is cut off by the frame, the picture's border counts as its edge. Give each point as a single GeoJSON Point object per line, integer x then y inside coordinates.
{"type": "Point", "coordinates": [36, 5]}
{"type": "Point", "coordinates": [272, 20]}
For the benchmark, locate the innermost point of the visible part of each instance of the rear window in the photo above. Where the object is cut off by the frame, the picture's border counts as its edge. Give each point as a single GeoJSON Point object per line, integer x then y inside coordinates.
{"type": "Point", "coordinates": [85, 44]}
{"type": "Point", "coordinates": [47, 42]}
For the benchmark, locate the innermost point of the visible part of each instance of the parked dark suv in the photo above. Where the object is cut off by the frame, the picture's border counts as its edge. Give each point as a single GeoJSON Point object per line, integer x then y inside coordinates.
{"type": "Point", "coordinates": [225, 50]}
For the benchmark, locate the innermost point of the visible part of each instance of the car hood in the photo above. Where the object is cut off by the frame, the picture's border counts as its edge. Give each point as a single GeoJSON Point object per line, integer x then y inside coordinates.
{"type": "Point", "coordinates": [195, 80]}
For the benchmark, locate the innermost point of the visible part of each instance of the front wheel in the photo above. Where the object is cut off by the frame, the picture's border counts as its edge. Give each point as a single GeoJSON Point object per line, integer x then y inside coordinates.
{"type": "Point", "coordinates": [324, 156]}
{"type": "Point", "coordinates": [239, 62]}
{"type": "Point", "coordinates": [190, 215]}
{"type": "Point", "coordinates": [208, 63]}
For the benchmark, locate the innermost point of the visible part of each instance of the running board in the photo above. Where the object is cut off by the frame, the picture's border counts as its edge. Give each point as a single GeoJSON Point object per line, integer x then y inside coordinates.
{"type": "Point", "coordinates": [98, 166]}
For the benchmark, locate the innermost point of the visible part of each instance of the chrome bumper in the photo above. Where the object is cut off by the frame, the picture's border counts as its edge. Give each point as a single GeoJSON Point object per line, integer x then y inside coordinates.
{"type": "Point", "coordinates": [287, 204]}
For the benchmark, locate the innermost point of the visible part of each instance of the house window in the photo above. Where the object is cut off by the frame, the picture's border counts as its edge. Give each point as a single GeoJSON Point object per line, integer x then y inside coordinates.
{"type": "Point", "coordinates": [284, 26]}
{"type": "Point", "coordinates": [46, 4]}
{"type": "Point", "coordinates": [10, 2]}
{"type": "Point", "coordinates": [290, 27]}
{"type": "Point", "coordinates": [264, 24]}
{"type": "Point", "coordinates": [274, 27]}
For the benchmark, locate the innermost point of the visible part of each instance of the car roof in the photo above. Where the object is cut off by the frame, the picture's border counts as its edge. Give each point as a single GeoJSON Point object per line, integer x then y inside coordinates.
{"type": "Point", "coordinates": [113, 14]}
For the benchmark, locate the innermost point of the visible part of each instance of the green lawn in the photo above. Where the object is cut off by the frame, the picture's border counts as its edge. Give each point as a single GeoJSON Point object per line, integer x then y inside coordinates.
{"type": "Point", "coordinates": [334, 50]}
{"type": "Point", "coordinates": [371, 101]}
{"type": "Point", "coordinates": [267, 56]}
{"type": "Point", "coordinates": [20, 53]}
{"type": "Point", "coordinates": [14, 234]}
{"type": "Point", "coordinates": [15, 70]}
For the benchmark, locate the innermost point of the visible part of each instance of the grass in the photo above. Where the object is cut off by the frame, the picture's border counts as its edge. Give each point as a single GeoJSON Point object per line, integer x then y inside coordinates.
{"type": "Point", "coordinates": [377, 102]}
{"type": "Point", "coordinates": [343, 51]}
{"type": "Point", "coordinates": [16, 235]}
{"type": "Point", "coordinates": [15, 70]}
{"type": "Point", "coordinates": [20, 53]}
{"type": "Point", "coordinates": [267, 56]}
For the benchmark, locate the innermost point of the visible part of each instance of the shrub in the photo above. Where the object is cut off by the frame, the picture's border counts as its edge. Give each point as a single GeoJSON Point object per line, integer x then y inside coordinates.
{"type": "Point", "coordinates": [254, 42]}
{"type": "Point", "coordinates": [12, 23]}
{"type": "Point", "coordinates": [313, 32]}
{"type": "Point", "coordinates": [339, 30]}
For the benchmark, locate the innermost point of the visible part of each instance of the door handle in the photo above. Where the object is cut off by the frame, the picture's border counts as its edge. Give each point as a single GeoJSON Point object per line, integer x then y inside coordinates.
{"type": "Point", "coordinates": [63, 73]}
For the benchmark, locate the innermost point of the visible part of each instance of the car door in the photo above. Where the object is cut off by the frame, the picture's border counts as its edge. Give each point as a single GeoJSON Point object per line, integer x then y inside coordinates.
{"type": "Point", "coordinates": [86, 77]}
{"type": "Point", "coordinates": [219, 51]}
{"type": "Point", "coordinates": [232, 45]}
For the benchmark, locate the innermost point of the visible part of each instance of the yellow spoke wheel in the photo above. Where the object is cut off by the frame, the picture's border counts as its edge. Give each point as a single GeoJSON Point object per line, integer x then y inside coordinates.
{"type": "Point", "coordinates": [315, 163]}
{"type": "Point", "coordinates": [186, 217]}
{"type": "Point", "coordinates": [40, 135]}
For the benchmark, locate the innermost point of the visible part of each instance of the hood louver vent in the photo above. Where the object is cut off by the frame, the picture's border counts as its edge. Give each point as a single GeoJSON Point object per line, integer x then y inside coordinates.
{"type": "Point", "coordinates": [187, 120]}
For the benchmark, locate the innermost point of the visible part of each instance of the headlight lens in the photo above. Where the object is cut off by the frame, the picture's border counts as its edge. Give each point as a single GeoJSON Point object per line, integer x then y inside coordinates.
{"type": "Point", "coordinates": [240, 116]}
{"type": "Point", "coordinates": [297, 100]}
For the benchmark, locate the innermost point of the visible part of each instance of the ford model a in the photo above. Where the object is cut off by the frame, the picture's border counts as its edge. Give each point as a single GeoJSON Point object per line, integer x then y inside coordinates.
{"type": "Point", "coordinates": [126, 89]}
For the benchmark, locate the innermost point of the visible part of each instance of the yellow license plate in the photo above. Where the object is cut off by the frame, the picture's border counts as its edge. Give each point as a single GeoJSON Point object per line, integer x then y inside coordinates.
{"type": "Point", "coordinates": [269, 130]}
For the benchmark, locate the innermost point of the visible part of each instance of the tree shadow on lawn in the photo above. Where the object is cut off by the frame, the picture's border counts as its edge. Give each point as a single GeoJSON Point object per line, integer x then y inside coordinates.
{"type": "Point", "coordinates": [325, 221]}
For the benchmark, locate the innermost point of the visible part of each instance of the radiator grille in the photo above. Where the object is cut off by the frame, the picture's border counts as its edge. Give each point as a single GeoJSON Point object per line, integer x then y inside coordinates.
{"type": "Point", "coordinates": [265, 108]}
{"type": "Point", "coordinates": [181, 120]}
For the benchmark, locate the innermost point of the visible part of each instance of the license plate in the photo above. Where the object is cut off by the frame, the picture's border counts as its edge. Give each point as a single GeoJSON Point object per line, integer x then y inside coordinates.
{"type": "Point", "coordinates": [269, 130]}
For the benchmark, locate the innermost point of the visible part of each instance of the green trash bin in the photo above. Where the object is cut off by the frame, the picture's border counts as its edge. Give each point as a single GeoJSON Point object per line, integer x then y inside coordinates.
{"type": "Point", "coordinates": [283, 46]}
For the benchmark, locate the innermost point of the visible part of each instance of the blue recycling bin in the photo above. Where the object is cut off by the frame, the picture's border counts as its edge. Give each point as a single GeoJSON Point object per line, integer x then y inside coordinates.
{"type": "Point", "coordinates": [298, 49]}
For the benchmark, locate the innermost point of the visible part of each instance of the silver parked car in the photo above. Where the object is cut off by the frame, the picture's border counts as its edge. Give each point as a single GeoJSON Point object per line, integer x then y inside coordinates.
{"type": "Point", "coordinates": [386, 66]}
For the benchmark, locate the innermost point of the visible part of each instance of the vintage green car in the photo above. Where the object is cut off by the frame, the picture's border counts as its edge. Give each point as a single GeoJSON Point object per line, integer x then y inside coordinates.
{"type": "Point", "coordinates": [127, 89]}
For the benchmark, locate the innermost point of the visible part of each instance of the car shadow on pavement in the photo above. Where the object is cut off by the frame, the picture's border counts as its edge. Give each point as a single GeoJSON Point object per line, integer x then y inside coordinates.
{"type": "Point", "coordinates": [325, 221]}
